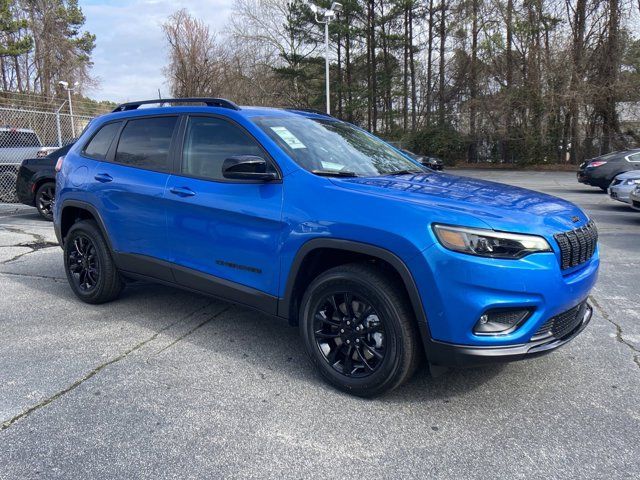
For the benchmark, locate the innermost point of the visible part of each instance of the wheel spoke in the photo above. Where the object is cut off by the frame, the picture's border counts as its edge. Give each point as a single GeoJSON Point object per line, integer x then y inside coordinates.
{"type": "Point", "coordinates": [363, 360]}
{"type": "Point", "coordinates": [376, 327]}
{"type": "Point", "coordinates": [321, 334]}
{"type": "Point", "coordinates": [365, 313]}
{"type": "Point", "coordinates": [348, 305]}
{"type": "Point", "coordinates": [348, 362]}
{"type": "Point", "coordinates": [373, 351]}
{"type": "Point", "coordinates": [334, 353]}
{"type": "Point", "coordinates": [332, 301]}
{"type": "Point", "coordinates": [327, 320]}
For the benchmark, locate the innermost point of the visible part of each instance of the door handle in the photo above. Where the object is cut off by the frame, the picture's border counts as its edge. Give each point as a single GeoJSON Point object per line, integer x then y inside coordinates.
{"type": "Point", "coordinates": [182, 191]}
{"type": "Point", "coordinates": [103, 177]}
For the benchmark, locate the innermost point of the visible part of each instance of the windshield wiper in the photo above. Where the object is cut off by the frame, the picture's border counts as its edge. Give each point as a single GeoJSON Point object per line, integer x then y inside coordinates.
{"type": "Point", "coordinates": [404, 172]}
{"type": "Point", "coordinates": [334, 173]}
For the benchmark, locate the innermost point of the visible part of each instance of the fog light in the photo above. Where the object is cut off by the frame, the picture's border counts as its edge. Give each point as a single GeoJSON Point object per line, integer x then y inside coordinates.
{"type": "Point", "coordinates": [500, 321]}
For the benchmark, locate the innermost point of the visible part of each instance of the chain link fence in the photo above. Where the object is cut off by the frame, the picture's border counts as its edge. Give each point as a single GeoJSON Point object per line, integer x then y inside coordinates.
{"type": "Point", "coordinates": [31, 133]}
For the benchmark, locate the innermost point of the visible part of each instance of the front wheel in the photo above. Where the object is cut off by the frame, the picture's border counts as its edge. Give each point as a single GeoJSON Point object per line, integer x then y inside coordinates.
{"type": "Point", "coordinates": [359, 331]}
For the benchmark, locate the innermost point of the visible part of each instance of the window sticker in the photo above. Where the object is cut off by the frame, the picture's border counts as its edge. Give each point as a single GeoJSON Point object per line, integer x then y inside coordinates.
{"type": "Point", "coordinates": [288, 137]}
{"type": "Point", "coordinates": [331, 165]}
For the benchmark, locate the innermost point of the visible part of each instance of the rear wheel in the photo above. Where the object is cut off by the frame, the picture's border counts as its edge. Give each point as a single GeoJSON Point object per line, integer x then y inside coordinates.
{"type": "Point", "coordinates": [358, 329]}
{"type": "Point", "coordinates": [45, 200]}
{"type": "Point", "coordinates": [90, 270]}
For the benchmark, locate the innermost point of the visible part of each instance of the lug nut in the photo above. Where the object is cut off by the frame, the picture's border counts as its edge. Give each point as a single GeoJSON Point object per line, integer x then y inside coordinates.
{"type": "Point", "coordinates": [342, 330]}
{"type": "Point", "coordinates": [348, 322]}
{"type": "Point", "coordinates": [348, 342]}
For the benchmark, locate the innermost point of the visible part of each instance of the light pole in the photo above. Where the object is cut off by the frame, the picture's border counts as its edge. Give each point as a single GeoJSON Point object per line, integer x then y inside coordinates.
{"type": "Point", "coordinates": [327, 15]}
{"type": "Point", "coordinates": [65, 85]}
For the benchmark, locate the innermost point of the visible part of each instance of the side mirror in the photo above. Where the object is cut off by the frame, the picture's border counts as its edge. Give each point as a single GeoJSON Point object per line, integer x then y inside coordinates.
{"type": "Point", "coordinates": [247, 167]}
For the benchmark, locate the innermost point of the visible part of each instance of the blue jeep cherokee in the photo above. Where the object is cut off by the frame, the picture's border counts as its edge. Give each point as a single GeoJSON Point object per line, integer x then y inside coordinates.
{"type": "Point", "coordinates": [297, 214]}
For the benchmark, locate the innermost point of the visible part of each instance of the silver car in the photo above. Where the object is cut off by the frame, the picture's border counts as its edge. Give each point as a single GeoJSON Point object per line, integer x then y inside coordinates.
{"type": "Point", "coordinates": [623, 184]}
{"type": "Point", "coordinates": [634, 198]}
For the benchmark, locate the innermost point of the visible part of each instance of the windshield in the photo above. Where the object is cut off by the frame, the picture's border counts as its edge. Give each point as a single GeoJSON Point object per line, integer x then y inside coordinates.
{"type": "Point", "coordinates": [331, 146]}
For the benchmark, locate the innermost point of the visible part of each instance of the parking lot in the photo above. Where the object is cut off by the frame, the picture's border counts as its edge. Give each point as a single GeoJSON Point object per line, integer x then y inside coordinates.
{"type": "Point", "coordinates": [167, 384]}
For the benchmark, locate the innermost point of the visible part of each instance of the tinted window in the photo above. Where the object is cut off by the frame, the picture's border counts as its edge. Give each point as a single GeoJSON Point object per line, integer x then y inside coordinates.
{"type": "Point", "coordinates": [18, 139]}
{"type": "Point", "coordinates": [209, 142]}
{"type": "Point", "coordinates": [145, 143]}
{"type": "Point", "coordinates": [634, 157]}
{"type": "Point", "coordinates": [99, 145]}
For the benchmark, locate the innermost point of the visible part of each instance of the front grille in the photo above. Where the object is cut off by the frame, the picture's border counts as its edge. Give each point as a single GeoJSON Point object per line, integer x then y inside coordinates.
{"type": "Point", "coordinates": [561, 324]}
{"type": "Point", "coordinates": [577, 246]}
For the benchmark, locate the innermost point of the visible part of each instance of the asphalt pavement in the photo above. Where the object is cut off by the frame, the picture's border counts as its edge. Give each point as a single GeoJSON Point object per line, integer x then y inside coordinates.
{"type": "Point", "coordinates": [167, 384]}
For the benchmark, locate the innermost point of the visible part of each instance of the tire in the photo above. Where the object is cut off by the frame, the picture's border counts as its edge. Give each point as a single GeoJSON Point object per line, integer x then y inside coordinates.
{"type": "Point", "coordinates": [85, 250]}
{"type": "Point", "coordinates": [380, 320]}
{"type": "Point", "coordinates": [45, 200]}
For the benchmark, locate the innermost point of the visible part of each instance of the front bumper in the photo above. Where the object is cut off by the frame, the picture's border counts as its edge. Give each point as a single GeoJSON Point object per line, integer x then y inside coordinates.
{"type": "Point", "coordinates": [621, 192]}
{"type": "Point", "coordinates": [452, 355]}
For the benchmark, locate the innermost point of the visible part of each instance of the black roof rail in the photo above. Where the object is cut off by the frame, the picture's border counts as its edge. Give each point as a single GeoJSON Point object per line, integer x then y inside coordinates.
{"type": "Point", "coordinates": [308, 110]}
{"type": "Point", "coordinates": [209, 102]}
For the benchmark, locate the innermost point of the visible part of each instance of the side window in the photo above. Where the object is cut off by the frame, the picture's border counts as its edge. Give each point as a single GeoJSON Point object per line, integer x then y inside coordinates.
{"type": "Point", "coordinates": [209, 142]}
{"type": "Point", "coordinates": [98, 146]}
{"type": "Point", "coordinates": [635, 157]}
{"type": "Point", "coordinates": [145, 143]}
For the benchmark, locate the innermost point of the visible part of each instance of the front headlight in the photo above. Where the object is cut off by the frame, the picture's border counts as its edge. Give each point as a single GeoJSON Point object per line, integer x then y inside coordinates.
{"type": "Point", "coordinates": [632, 181]}
{"type": "Point", "coordinates": [488, 243]}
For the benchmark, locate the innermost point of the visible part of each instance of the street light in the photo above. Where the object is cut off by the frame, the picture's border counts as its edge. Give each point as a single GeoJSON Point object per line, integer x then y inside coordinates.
{"type": "Point", "coordinates": [65, 85]}
{"type": "Point", "coordinates": [327, 15]}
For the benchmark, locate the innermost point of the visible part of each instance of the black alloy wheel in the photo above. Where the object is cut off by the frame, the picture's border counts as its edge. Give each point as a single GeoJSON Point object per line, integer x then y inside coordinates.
{"type": "Point", "coordinates": [90, 269]}
{"type": "Point", "coordinates": [45, 200]}
{"type": "Point", "coordinates": [83, 264]}
{"type": "Point", "coordinates": [350, 334]}
{"type": "Point", "coordinates": [359, 329]}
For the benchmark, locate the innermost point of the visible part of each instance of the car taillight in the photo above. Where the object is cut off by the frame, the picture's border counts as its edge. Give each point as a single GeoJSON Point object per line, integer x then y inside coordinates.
{"type": "Point", "coordinates": [59, 163]}
{"type": "Point", "coordinates": [596, 164]}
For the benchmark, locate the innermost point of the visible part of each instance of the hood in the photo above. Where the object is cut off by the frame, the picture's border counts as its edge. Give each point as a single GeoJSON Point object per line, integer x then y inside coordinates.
{"type": "Point", "coordinates": [500, 206]}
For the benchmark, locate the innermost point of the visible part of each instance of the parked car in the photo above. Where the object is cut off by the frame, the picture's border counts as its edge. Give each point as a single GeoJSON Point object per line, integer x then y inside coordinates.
{"type": "Point", "coordinates": [36, 182]}
{"type": "Point", "coordinates": [16, 144]}
{"type": "Point", "coordinates": [314, 220]}
{"type": "Point", "coordinates": [623, 184]}
{"type": "Point", "coordinates": [434, 163]}
{"type": "Point", "coordinates": [600, 171]}
{"type": "Point", "coordinates": [634, 198]}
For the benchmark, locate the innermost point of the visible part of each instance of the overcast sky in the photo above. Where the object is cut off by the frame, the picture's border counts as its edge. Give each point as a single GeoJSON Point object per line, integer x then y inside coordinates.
{"type": "Point", "coordinates": [130, 49]}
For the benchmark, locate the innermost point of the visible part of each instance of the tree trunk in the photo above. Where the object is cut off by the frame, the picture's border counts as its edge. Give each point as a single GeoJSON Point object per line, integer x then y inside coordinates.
{"type": "Point", "coordinates": [443, 38]}
{"type": "Point", "coordinates": [430, 63]}
{"type": "Point", "coordinates": [473, 82]}
{"type": "Point", "coordinates": [579, 25]}
{"type": "Point", "coordinates": [412, 67]}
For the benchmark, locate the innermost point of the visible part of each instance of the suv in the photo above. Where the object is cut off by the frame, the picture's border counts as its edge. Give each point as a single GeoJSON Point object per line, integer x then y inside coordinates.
{"type": "Point", "coordinates": [302, 216]}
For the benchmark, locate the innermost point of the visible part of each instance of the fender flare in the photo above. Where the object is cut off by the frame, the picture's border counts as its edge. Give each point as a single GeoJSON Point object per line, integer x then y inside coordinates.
{"type": "Point", "coordinates": [92, 210]}
{"type": "Point", "coordinates": [364, 248]}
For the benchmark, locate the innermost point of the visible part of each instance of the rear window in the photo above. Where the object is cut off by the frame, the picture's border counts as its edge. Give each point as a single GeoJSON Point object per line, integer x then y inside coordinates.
{"type": "Point", "coordinates": [98, 146]}
{"type": "Point", "coordinates": [145, 143]}
{"type": "Point", "coordinates": [16, 139]}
